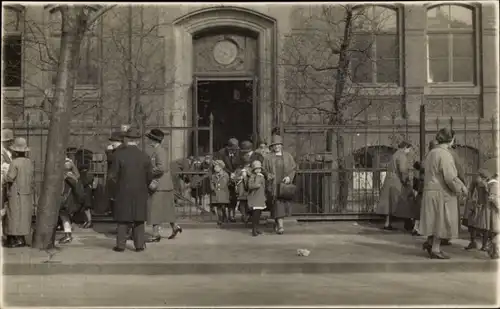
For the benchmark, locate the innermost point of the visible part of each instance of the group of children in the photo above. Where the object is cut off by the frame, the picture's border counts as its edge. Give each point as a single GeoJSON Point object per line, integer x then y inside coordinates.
{"type": "Point", "coordinates": [250, 184]}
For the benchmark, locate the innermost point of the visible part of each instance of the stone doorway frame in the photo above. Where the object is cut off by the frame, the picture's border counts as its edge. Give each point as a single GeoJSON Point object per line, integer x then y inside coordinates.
{"type": "Point", "coordinates": [187, 26]}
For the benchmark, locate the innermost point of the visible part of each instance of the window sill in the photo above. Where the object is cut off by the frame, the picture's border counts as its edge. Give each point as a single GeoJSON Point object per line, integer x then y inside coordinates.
{"type": "Point", "coordinates": [451, 85]}
{"type": "Point", "coordinates": [452, 89]}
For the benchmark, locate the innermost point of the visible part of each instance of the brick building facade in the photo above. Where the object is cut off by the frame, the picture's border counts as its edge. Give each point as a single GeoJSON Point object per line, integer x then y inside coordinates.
{"type": "Point", "coordinates": [166, 62]}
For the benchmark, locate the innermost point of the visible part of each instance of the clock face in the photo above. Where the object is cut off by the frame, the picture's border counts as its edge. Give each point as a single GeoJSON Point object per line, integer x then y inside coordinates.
{"type": "Point", "coordinates": [225, 52]}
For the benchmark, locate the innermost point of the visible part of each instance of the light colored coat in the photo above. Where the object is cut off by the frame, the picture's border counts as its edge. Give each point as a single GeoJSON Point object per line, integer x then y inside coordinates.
{"type": "Point", "coordinates": [393, 199]}
{"type": "Point", "coordinates": [20, 207]}
{"type": "Point", "coordinates": [439, 213]}
{"type": "Point", "coordinates": [161, 202]}
{"type": "Point", "coordinates": [493, 203]}
{"type": "Point", "coordinates": [6, 160]}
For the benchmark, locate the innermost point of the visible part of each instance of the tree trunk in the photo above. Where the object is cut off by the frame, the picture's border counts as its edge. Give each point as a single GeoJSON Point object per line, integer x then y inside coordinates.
{"type": "Point", "coordinates": [73, 29]}
{"type": "Point", "coordinates": [338, 117]}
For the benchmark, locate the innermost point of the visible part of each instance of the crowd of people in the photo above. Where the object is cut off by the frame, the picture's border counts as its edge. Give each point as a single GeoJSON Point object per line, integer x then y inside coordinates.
{"type": "Point", "coordinates": [431, 206]}
{"type": "Point", "coordinates": [140, 188]}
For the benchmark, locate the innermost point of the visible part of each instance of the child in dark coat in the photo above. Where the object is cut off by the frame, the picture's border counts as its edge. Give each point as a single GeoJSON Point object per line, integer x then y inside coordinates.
{"type": "Point", "coordinates": [256, 195]}
{"type": "Point", "coordinates": [219, 186]}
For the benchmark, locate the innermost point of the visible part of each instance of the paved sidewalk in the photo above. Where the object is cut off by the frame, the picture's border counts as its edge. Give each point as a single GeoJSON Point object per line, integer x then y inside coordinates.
{"type": "Point", "coordinates": [340, 247]}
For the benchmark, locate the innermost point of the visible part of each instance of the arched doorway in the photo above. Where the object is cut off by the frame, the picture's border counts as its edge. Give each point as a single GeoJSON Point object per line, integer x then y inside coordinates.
{"type": "Point", "coordinates": [228, 60]}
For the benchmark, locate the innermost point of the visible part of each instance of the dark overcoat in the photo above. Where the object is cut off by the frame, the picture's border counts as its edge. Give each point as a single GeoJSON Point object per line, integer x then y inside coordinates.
{"type": "Point", "coordinates": [219, 186]}
{"type": "Point", "coordinates": [130, 174]}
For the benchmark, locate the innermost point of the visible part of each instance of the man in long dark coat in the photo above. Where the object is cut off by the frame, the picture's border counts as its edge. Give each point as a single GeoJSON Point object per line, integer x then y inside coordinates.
{"type": "Point", "coordinates": [116, 144]}
{"type": "Point", "coordinates": [230, 155]}
{"type": "Point", "coordinates": [130, 176]}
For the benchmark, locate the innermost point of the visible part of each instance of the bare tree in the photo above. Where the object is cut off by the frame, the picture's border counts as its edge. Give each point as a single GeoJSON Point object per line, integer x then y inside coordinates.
{"type": "Point", "coordinates": [332, 62]}
{"type": "Point", "coordinates": [75, 21]}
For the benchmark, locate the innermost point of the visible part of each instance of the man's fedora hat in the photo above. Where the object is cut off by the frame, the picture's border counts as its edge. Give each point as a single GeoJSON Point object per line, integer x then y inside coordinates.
{"type": "Point", "coordinates": [246, 146]}
{"type": "Point", "coordinates": [156, 135]}
{"type": "Point", "coordinates": [116, 136]}
{"type": "Point", "coordinates": [133, 133]}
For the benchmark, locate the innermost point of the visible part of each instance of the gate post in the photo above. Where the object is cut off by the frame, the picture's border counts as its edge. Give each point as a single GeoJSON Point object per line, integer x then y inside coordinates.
{"type": "Point", "coordinates": [422, 133]}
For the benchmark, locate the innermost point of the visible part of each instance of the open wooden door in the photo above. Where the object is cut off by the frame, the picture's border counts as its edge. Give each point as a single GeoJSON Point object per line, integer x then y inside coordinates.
{"type": "Point", "coordinates": [256, 110]}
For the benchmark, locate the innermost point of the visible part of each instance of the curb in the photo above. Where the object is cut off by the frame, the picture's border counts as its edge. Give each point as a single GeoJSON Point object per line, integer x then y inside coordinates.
{"type": "Point", "coordinates": [425, 266]}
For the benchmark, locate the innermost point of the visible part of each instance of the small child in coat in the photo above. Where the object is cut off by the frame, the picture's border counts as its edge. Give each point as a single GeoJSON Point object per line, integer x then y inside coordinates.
{"type": "Point", "coordinates": [494, 220]}
{"type": "Point", "coordinates": [219, 185]}
{"type": "Point", "coordinates": [256, 195]}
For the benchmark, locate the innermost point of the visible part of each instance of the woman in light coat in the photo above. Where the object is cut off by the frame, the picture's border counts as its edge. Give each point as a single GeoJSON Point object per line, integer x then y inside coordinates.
{"type": "Point", "coordinates": [281, 167]}
{"type": "Point", "coordinates": [438, 216]}
{"type": "Point", "coordinates": [161, 206]}
{"type": "Point", "coordinates": [20, 194]}
{"type": "Point", "coordinates": [393, 195]}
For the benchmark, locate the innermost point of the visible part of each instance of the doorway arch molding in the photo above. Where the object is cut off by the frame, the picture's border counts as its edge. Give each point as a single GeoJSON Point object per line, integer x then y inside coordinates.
{"type": "Point", "coordinates": [231, 17]}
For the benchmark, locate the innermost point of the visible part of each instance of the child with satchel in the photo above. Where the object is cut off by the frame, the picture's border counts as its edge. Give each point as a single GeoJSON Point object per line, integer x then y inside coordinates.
{"type": "Point", "coordinates": [256, 195]}
{"type": "Point", "coordinates": [219, 185]}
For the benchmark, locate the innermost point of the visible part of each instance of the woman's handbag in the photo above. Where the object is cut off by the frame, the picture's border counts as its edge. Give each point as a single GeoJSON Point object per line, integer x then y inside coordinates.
{"type": "Point", "coordinates": [153, 186]}
{"type": "Point", "coordinates": [286, 191]}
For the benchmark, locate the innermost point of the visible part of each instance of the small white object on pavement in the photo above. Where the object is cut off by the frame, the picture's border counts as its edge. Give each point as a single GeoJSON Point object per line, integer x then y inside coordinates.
{"type": "Point", "coordinates": [303, 252]}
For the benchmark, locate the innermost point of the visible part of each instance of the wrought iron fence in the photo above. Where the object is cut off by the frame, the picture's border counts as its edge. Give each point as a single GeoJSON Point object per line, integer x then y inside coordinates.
{"type": "Point", "coordinates": [341, 168]}
{"type": "Point", "coordinates": [88, 143]}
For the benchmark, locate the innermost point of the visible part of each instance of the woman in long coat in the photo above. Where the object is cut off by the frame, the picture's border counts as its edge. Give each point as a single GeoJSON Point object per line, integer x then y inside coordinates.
{"type": "Point", "coordinates": [281, 165]}
{"type": "Point", "coordinates": [161, 207]}
{"type": "Point", "coordinates": [20, 207]}
{"type": "Point", "coordinates": [394, 195]}
{"type": "Point", "coordinates": [438, 216]}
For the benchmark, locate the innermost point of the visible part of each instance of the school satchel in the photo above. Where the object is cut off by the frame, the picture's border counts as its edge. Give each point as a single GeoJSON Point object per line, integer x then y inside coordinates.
{"type": "Point", "coordinates": [153, 186]}
{"type": "Point", "coordinates": [286, 191]}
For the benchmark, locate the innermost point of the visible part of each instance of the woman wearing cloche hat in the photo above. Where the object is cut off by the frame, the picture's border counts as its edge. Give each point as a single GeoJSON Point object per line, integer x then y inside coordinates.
{"type": "Point", "coordinates": [20, 207]}
{"type": "Point", "coordinates": [161, 202]}
{"type": "Point", "coordinates": [281, 165]}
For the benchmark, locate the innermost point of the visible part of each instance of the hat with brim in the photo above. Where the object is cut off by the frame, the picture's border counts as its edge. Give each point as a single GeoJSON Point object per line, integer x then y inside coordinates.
{"type": "Point", "coordinates": [7, 135]}
{"type": "Point", "coordinates": [20, 145]}
{"type": "Point", "coordinates": [219, 163]}
{"type": "Point", "coordinates": [256, 164]}
{"type": "Point", "coordinates": [116, 136]}
{"type": "Point", "coordinates": [156, 135]}
{"type": "Point", "coordinates": [133, 133]}
{"type": "Point", "coordinates": [276, 140]}
{"type": "Point", "coordinates": [232, 144]}
{"type": "Point", "coordinates": [246, 146]}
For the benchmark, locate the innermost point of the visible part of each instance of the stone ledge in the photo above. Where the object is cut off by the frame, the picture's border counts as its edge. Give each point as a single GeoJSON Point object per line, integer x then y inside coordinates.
{"type": "Point", "coordinates": [425, 266]}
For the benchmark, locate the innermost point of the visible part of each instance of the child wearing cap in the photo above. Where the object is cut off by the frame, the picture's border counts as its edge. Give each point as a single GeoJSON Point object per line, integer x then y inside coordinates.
{"type": "Point", "coordinates": [256, 195]}
{"type": "Point", "coordinates": [219, 186]}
